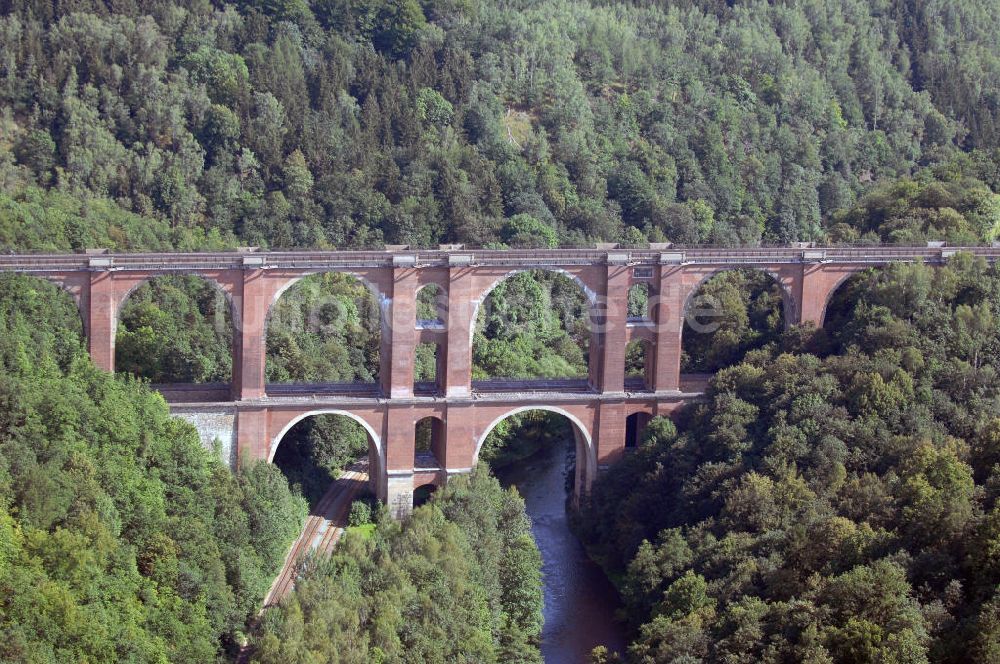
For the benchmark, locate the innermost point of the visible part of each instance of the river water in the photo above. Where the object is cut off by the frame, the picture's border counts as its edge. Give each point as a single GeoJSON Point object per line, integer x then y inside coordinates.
{"type": "Point", "coordinates": [580, 602]}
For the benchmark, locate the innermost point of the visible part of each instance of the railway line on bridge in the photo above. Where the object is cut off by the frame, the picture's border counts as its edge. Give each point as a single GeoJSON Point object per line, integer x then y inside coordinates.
{"type": "Point", "coordinates": [250, 416]}
{"type": "Point", "coordinates": [501, 389]}
{"type": "Point", "coordinates": [424, 258]}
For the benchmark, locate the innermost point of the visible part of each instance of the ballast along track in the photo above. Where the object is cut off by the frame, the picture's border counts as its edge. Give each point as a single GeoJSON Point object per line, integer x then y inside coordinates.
{"type": "Point", "coordinates": [345, 260]}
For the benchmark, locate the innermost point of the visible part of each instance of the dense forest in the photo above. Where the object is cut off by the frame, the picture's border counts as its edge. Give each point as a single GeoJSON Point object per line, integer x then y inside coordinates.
{"type": "Point", "coordinates": [458, 581]}
{"type": "Point", "coordinates": [835, 497]}
{"type": "Point", "coordinates": [336, 123]}
{"type": "Point", "coordinates": [122, 539]}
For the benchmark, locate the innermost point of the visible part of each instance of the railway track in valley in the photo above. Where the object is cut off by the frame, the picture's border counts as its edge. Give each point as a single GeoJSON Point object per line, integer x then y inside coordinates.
{"type": "Point", "coordinates": [323, 527]}
{"type": "Point", "coordinates": [320, 532]}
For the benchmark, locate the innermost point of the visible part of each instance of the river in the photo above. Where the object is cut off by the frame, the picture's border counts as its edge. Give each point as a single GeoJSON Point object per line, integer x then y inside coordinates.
{"type": "Point", "coordinates": [580, 602]}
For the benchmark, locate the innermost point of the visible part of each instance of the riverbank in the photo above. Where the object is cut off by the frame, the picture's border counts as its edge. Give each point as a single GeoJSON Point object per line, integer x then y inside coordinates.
{"type": "Point", "coordinates": [579, 601]}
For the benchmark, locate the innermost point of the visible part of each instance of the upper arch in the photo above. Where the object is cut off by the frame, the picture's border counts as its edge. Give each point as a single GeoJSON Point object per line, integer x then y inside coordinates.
{"type": "Point", "coordinates": [66, 288]}
{"type": "Point", "coordinates": [787, 299]}
{"type": "Point", "coordinates": [440, 305]}
{"type": "Point", "coordinates": [309, 306]}
{"type": "Point", "coordinates": [832, 292]}
{"type": "Point", "coordinates": [477, 302]}
{"type": "Point", "coordinates": [381, 298]}
{"type": "Point", "coordinates": [123, 298]}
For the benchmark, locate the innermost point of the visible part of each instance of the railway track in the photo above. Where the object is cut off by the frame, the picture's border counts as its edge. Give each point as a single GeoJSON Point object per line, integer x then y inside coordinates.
{"type": "Point", "coordinates": [322, 529]}
{"type": "Point", "coordinates": [468, 257]}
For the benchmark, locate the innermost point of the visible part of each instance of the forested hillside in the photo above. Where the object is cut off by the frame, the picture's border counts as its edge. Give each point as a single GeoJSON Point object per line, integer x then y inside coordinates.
{"type": "Point", "coordinates": [121, 538]}
{"type": "Point", "coordinates": [173, 125]}
{"type": "Point", "coordinates": [349, 123]}
{"type": "Point", "coordinates": [834, 499]}
{"type": "Point", "coordinates": [838, 505]}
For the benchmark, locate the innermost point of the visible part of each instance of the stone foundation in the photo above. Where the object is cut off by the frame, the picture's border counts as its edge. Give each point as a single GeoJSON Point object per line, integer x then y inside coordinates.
{"type": "Point", "coordinates": [216, 429]}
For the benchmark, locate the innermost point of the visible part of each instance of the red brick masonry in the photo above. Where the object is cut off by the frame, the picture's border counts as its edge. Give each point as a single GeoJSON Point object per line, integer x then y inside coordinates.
{"type": "Point", "coordinates": [465, 413]}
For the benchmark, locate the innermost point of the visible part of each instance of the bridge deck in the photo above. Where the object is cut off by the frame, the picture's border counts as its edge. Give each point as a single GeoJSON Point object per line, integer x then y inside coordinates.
{"type": "Point", "coordinates": [333, 260]}
{"type": "Point", "coordinates": [506, 389]}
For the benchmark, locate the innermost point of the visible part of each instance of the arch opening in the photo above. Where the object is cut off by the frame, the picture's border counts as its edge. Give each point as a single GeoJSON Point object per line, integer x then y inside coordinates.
{"type": "Point", "coordinates": [427, 361]}
{"type": "Point", "coordinates": [39, 309]}
{"type": "Point", "coordinates": [325, 328]}
{"type": "Point", "coordinates": [841, 304]}
{"type": "Point", "coordinates": [316, 448]}
{"type": "Point", "coordinates": [537, 432]}
{"type": "Point", "coordinates": [533, 324]}
{"type": "Point", "coordinates": [176, 329]}
{"type": "Point", "coordinates": [635, 425]}
{"type": "Point", "coordinates": [638, 310]}
{"type": "Point", "coordinates": [639, 365]}
{"type": "Point", "coordinates": [432, 307]}
{"type": "Point", "coordinates": [423, 493]}
{"type": "Point", "coordinates": [428, 443]}
{"type": "Point", "coordinates": [731, 313]}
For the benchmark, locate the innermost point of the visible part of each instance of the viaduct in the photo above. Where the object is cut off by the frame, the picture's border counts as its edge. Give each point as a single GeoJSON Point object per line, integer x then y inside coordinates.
{"type": "Point", "coordinates": [250, 417]}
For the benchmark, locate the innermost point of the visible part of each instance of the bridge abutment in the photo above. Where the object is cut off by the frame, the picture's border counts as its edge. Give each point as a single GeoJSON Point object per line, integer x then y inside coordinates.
{"type": "Point", "coordinates": [216, 429]}
{"type": "Point", "coordinates": [399, 493]}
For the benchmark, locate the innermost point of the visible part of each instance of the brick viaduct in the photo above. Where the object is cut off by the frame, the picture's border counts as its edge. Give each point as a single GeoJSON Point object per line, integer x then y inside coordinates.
{"type": "Point", "coordinates": [250, 417]}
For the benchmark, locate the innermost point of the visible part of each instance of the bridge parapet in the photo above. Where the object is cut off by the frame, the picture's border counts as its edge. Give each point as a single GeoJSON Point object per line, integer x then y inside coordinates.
{"type": "Point", "coordinates": [524, 258]}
